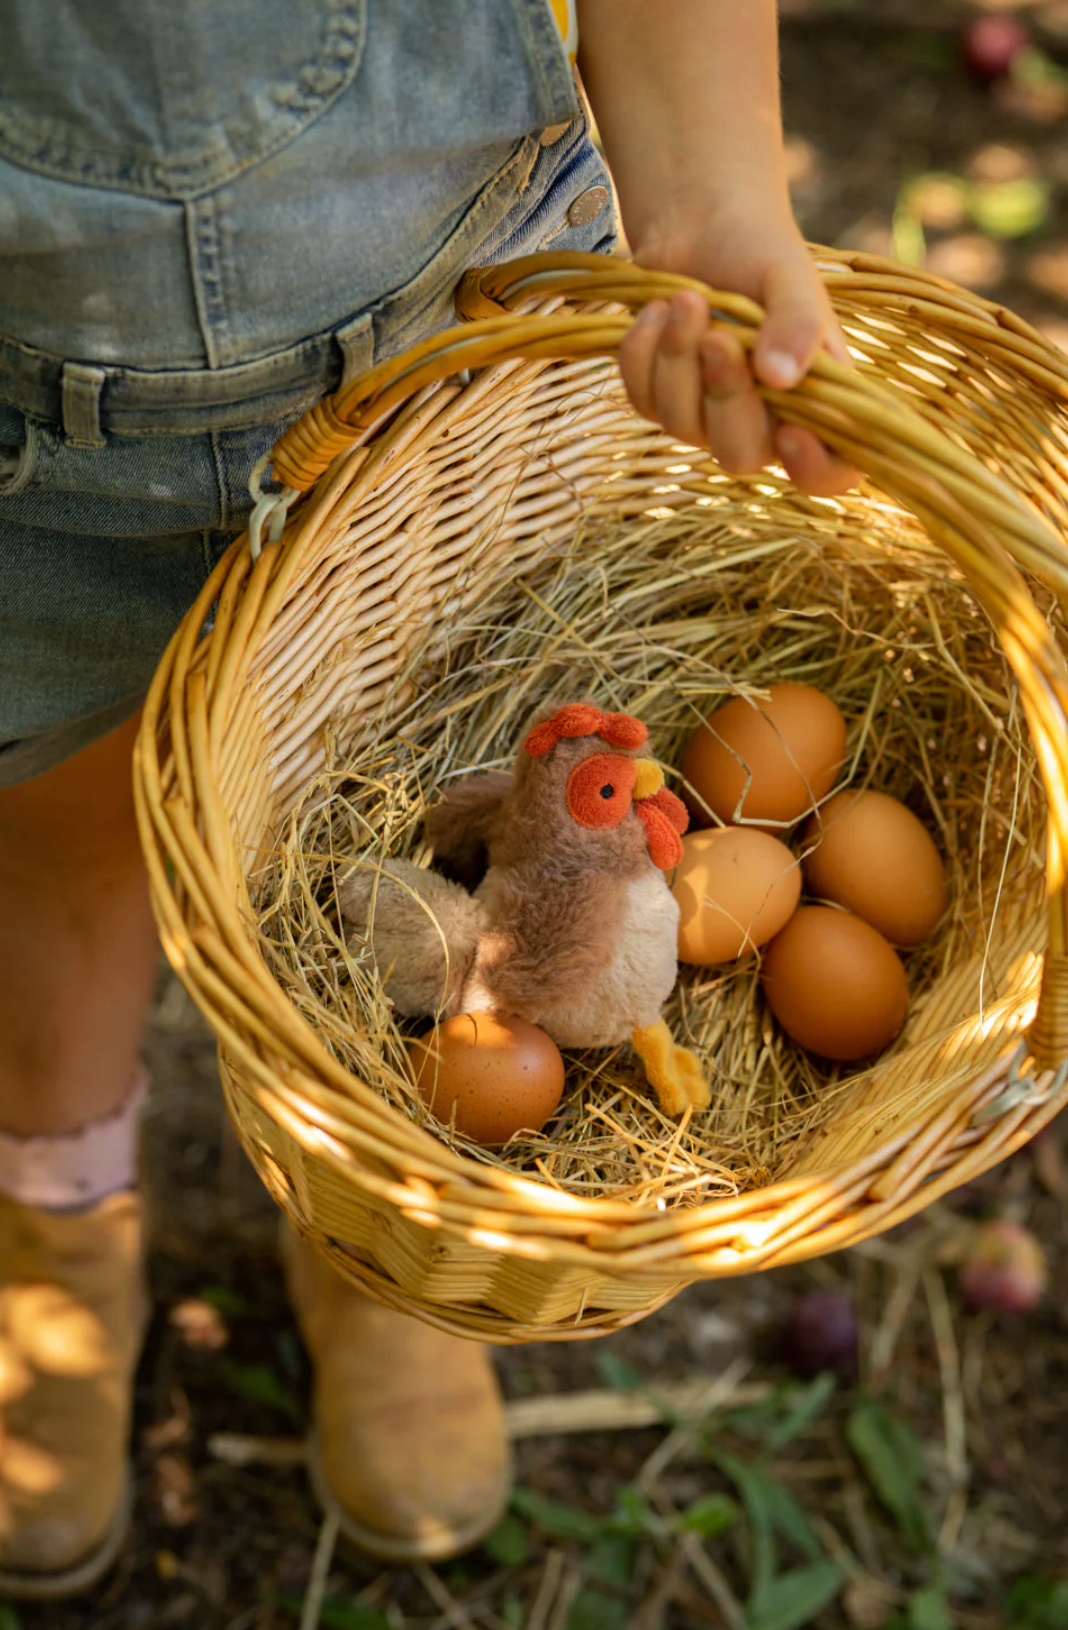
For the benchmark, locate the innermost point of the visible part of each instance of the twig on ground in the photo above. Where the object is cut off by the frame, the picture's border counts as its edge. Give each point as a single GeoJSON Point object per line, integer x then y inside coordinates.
{"type": "Point", "coordinates": [599, 1410]}
{"type": "Point", "coordinates": [570, 1585]}
{"type": "Point", "coordinates": [884, 1342]}
{"type": "Point", "coordinates": [855, 1509]}
{"type": "Point", "coordinates": [711, 1396]}
{"type": "Point", "coordinates": [454, 1615]}
{"type": "Point", "coordinates": [700, 1563]}
{"type": "Point", "coordinates": [608, 1411]}
{"type": "Point", "coordinates": [954, 1418]}
{"type": "Point", "coordinates": [548, 1588]}
{"type": "Point", "coordinates": [696, 1603]}
{"type": "Point", "coordinates": [246, 1620]}
{"type": "Point", "coordinates": [713, 1580]}
{"type": "Point", "coordinates": [241, 1449]}
{"type": "Point", "coordinates": [864, 1578]}
{"type": "Point", "coordinates": [650, 1611]}
{"type": "Point", "coordinates": [324, 1555]}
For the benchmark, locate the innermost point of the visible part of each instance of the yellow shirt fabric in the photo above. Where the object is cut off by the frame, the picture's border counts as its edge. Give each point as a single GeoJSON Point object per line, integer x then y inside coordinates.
{"type": "Point", "coordinates": [567, 23]}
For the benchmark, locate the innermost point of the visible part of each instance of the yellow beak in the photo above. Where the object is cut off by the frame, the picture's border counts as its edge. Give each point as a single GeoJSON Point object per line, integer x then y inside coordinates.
{"type": "Point", "coordinates": [650, 777]}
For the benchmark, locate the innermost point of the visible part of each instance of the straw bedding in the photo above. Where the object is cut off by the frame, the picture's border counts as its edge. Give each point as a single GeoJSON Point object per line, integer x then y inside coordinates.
{"type": "Point", "coordinates": [664, 618]}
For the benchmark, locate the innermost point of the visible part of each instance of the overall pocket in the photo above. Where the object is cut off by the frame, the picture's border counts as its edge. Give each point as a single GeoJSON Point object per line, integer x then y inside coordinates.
{"type": "Point", "coordinates": [168, 101]}
{"type": "Point", "coordinates": [555, 197]}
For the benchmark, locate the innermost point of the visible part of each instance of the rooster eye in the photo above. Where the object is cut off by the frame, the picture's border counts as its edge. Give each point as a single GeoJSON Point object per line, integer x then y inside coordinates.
{"type": "Point", "coordinates": [600, 789]}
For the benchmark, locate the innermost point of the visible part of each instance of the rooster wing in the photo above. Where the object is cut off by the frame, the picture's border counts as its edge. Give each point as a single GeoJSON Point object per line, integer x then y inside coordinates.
{"type": "Point", "coordinates": [422, 931]}
{"type": "Point", "coordinates": [461, 825]}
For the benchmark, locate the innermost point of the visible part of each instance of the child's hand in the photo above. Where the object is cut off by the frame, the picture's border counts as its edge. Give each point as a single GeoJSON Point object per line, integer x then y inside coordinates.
{"type": "Point", "coordinates": [695, 378]}
{"type": "Point", "coordinates": [687, 99]}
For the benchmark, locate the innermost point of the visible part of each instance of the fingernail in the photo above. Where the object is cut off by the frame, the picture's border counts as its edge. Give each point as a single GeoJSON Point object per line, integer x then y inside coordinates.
{"type": "Point", "coordinates": [781, 370]}
{"type": "Point", "coordinates": [652, 315]}
{"type": "Point", "coordinates": [788, 444]}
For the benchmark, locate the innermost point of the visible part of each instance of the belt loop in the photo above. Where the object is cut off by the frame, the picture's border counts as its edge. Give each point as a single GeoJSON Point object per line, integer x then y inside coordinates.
{"type": "Point", "coordinates": [357, 343]}
{"type": "Point", "coordinates": [81, 404]}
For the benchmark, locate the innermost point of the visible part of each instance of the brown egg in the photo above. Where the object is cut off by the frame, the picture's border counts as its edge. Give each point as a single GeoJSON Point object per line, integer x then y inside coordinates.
{"type": "Point", "coordinates": [835, 984]}
{"type": "Point", "coordinates": [735, 886]}
{"type": "Point", "coordinates": [766, 761]}
{"type": "Point", "coordinates": [870, 854]}
{"type": "Point", "coordinates": [500, 1074]}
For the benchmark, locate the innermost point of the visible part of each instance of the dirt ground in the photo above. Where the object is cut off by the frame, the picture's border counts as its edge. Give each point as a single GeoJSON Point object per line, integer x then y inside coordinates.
{"type": "Point", "coordinates": [876, 98]}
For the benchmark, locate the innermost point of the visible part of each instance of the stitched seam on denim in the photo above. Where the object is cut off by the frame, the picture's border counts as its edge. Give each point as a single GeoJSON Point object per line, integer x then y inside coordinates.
{"type": "Point", "coordinates": [455, 255]}
{"type": "Point", "coordinates": [220, 481]}
{"type": "Point", "coordinates": [80, 404]}
{"type": "Point", "coordinates": [303, 369]}
{"type": "Point", "coordinates": [547, 56]}
{"type": "Point", "coordinates": [198, 418]}
{"type": "Point", "coordinates": [44, 144]}
{"type": "Point", "coordinates": [205, 271]}
{"type": "Point", "coordinates": [229, 352]}
{"type": "Point", "coordinates": [206, 553]}
{"type": "Point", "coordinates": [574, 172]}
{"type": "Point", "coordinates": [45, 445]}
{"type": "Point", "coordinates": [356, 342]}
{"type": "Point", "coordinates": [263, 400]}
{"type": "Point", "coordinates": [303, 352]}
{"type": "Point", "coordinates": [264, 416]}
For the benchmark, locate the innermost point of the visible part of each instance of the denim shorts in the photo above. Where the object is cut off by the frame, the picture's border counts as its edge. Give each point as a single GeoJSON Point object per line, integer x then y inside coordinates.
{"type": "Point", "coordinates": [174, 294]}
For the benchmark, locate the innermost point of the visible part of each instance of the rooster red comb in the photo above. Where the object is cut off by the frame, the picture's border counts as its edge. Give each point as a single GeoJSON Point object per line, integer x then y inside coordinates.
{"type": "Point", "coordinates": [580, 719]}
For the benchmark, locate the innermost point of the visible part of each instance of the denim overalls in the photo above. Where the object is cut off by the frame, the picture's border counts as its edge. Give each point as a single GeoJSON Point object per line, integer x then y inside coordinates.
{"type": "Point", "coordinates": [211, 213]}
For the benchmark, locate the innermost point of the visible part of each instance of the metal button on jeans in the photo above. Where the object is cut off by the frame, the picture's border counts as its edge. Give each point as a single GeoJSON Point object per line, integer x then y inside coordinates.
{"type": "Point", "coordinates": [587, 205]}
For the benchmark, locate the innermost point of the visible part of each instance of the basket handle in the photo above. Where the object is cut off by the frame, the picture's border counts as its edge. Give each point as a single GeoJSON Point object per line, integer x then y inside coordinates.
{"type": "Point", "coordinates": [974, 515]}
{"type": "Point", "coordinates": [492, 334]}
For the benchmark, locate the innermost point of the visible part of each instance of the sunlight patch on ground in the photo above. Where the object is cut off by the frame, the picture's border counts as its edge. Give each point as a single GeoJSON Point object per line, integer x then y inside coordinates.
{"type": "Point", "coordinates": [968, 258]}
{"type": "Point", "coordinates": [1047, 269]}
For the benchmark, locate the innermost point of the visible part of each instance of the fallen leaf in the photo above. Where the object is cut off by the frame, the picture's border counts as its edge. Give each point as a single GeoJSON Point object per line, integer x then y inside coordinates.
{"type": "Point", "coordinates": [863, 1606]}
{"type": "Point", "coordinates": [201, 1324]}
{"type": "Point", "coordinates": [1009, 209]}
{"type": "Point", "coordinates": [175, 1490]}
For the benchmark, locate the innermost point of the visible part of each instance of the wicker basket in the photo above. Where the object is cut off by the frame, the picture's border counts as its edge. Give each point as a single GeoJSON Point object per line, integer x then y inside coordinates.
{"type": "Point", "coordinates": [512, 429]}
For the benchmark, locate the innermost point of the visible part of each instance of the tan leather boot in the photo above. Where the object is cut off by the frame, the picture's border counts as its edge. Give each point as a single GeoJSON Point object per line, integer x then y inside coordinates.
{"type": "Point", "coordinates": [72, 1319]}
{"type": "Point", "coordinates": [408, 1448]}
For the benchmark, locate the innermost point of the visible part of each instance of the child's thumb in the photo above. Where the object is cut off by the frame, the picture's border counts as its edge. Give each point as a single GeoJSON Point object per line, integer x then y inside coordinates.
{"type": "Point", "coordinates": [798, 322]}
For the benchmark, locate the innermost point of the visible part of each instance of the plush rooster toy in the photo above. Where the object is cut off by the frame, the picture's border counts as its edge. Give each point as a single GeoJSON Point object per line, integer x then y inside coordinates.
{"type": "Point", "coordinates": [572, 926]}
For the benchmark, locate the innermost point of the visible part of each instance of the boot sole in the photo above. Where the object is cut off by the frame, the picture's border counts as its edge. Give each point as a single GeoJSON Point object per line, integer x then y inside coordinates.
{"type": "Point", "coordinates": [438, 1545]}
{"type": "Point", "coordinates": [20, 1586]}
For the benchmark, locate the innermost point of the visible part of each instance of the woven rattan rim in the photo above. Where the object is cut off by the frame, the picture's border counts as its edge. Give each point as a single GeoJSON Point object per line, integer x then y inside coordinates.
{"type": "Point", "coordinates": [200, 897]}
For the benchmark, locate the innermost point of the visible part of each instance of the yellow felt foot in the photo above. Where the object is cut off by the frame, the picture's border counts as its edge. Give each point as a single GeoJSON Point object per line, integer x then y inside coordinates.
{"type": "Point", "coordinates": [673, 1071]}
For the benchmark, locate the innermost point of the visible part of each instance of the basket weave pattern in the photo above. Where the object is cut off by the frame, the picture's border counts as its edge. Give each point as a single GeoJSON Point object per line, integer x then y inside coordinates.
{"type": "Point", "coordinates": [425, 487]}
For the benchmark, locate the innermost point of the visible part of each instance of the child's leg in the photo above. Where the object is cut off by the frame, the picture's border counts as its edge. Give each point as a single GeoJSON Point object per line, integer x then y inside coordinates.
{"type": "Point", "coordinates": [77, 956]}
{"type": "Point", "coordinates": [77, 942]}
{"type": "Point", "coordinates": [411, 1445]}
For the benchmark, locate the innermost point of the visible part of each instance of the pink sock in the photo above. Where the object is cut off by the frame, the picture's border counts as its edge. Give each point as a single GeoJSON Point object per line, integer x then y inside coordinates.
{"type": "Point", "coordinates": [75, 1170]}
